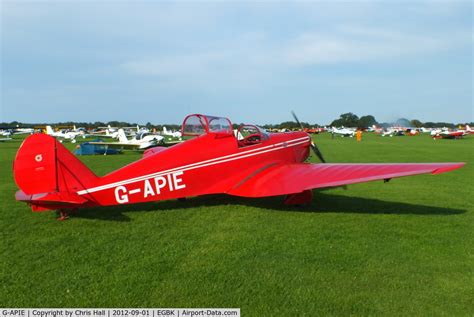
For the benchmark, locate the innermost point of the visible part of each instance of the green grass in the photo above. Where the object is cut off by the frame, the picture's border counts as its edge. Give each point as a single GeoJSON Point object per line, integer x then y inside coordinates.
{"type": "Point", "coordinates": [402, 248]}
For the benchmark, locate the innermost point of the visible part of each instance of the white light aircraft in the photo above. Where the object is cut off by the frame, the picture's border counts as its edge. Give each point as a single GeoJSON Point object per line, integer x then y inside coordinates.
{"type": "Point", "coordinates": [141, 141]}
{"type": "Point", "coordinates": [343, 132]}
{"type": "Point", "coordinates": [175, 134]}
{"type": "Point", "coordinates": [68, 135]}
{"type": "Point", "coordinates": [5, 133]}
{"type": "Point", "coordinates": [24, 131]}
{"type": "Point", "coordinates": [390, 132]}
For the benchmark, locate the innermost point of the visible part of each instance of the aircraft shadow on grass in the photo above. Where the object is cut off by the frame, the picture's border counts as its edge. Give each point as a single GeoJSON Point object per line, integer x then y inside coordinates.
{"type": "Point", "coordinates": [322, 203]}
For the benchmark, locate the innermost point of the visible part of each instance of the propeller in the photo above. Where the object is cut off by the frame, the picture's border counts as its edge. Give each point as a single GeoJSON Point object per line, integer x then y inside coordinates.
{"type": "Point", "coordinates": [313, 146]}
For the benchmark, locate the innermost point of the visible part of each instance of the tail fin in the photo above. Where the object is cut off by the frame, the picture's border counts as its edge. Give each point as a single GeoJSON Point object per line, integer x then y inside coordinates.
{"type": "Point", "coordinates": [49, 130]}
{"type": "Point", "coordinates": [48, 175]}
{"type": "Point", "coordinates": [165, 131]}
{"type": "Point", "coordinates": [468, 128]}
{"type": "Point", "coordinates": [121, 136]}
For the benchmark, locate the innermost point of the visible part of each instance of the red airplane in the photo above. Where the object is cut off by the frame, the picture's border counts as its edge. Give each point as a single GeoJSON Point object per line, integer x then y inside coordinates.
{"type": "Point", "coordinates": [313, 130]}
{"type": "Point", "coordinates": [250, 163]}
{"type": "Point", "coordinates": [446, 134]}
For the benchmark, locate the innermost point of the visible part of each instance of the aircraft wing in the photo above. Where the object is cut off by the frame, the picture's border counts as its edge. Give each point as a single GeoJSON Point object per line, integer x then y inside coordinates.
{"type": "Point", "coordinates": [295, 178]}
{"type": "Point", "coordinates": [118, 145]}
{"type": "Point", "coordinates": [172, 142]}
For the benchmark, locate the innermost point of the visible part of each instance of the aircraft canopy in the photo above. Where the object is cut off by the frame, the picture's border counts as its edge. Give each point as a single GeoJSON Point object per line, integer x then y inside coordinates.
{"type": "Point", "coordinates": [198, 124]}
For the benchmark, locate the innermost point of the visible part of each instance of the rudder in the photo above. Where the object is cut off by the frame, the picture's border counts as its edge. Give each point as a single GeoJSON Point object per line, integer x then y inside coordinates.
{"type": "Point", "coordinates": [121, 136]}
{"type": "Point", "coordinates": [49, 130]}
{"type": "Point", "coordinates": [49, 175]}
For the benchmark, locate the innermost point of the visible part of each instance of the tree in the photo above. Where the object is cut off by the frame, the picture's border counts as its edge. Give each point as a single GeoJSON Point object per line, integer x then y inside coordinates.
{"type": "Point", "coordinates": [346, 119]}
{"type": "Point", "coordinates": [291, 125]}
{"type": "Point", "coordinates": [416, 123]}
{"type": "Point", "coordinates": [366, 121]}
{"type": "Point", "coordinates": [439, 125]}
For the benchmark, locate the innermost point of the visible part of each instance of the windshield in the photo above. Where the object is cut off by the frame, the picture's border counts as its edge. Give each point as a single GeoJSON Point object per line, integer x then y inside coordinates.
{"type": "Point", "coordinates": [194, 125]}
{"type": "Point", "coordinates": [219, 125]}
{"type": "Point", "coordinates": [250, 135]}
{"type": "Point", "coordinates": [198, 124]}
{"type": "Point", "coordinates": [264, 133]}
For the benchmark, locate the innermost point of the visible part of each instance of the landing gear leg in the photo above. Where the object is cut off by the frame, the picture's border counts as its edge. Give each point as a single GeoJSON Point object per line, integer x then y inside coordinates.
{"type": "Point", "coordinates": [303, 198]}
{"type": "Point", "coordinates": [63, 215]}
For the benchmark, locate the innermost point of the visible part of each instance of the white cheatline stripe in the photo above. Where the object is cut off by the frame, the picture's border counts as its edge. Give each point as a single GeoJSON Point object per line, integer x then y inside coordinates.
{"type": "Point", "coordinates": [222, 159]}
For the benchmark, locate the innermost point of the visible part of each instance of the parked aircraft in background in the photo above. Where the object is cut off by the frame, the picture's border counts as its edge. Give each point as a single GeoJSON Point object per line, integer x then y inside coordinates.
{"type": "Point", "coordinates": [343, 132]}
{"type": "Point", "coordinates": [113, 132]}
{"type": "Point", "coordinates": [140, 141]}
{"type": "Point", "coordinates": [445, 133]}
{"type": "Point", "coordinates": [389, 132]}
{"type": "Point", "coordinates": [64, 135]}
{"type": "Point", "coordinates": [24, 131]}
{"type": "Point", "coordinates": [467, 130]}
{"type": "Point", "coordinates": [5, 135]}
{"type": "Point", "coordinates": [106, 132]}
{"type": "Point", "coordinates": [109, 128]}
{"type": "Point", "coordinates": [175, 134]}
{"type": "Point", "coordinates": [375, 129]}
{"type": "Point", "coordinates": [313, 130]}
{"type": "Point", "coordinates": [411, 132]}
{"type": "Point", "coordinates": [425, 130]}
{"type": "Point", "coordinates": [5, 132]}
{"type": "Point", "coordinates": [394, 131]}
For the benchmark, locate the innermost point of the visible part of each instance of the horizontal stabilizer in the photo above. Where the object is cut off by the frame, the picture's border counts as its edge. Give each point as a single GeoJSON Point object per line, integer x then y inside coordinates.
{"type": "Point", "coordinates": [53, 200]}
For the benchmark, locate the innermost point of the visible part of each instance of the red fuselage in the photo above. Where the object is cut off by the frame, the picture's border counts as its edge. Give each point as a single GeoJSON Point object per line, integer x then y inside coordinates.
{"type": "Point", "coordinates": [208, 164]}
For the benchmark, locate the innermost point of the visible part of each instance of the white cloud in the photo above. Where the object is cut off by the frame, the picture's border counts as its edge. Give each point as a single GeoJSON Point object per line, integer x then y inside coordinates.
{"type": "Point", "coordinates": [355, 44]}
{"type": "Point", "coordinates": [172, 65]}
{"type": "Point", "coordinates": [256, 52]}
{"type": "Point", "coordinates": [246, 52]}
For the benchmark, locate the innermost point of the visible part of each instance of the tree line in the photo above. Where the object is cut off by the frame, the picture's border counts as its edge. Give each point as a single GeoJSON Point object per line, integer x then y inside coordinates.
{"type": "Point", "coordinates": [348, 119]}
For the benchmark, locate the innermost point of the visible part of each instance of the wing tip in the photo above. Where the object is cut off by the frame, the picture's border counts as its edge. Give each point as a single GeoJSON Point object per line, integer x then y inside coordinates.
{"type": "Point", "coordinates": [447, 167]}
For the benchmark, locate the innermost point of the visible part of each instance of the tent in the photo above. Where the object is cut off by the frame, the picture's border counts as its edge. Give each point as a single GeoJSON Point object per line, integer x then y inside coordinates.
{"type": "Point", "coordinates": [95, 149]}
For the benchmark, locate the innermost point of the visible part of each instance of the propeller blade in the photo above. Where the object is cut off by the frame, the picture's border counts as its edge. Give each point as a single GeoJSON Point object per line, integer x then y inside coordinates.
{"type": "Point", "coordinates": [296, 119]}
{"type": "Point", "coordinates": [315, 149]}
{"type": "Point", "coordinates": [317, 152]}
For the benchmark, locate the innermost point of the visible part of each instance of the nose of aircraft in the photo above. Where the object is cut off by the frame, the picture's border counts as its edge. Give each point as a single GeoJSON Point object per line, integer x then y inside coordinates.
{"type": "Point", "coordinates": [315, 149]}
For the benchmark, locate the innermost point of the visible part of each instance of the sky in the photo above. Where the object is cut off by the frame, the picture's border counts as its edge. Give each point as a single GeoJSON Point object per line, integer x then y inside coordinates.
{"type": "Point", "coordinates": [254, 62]}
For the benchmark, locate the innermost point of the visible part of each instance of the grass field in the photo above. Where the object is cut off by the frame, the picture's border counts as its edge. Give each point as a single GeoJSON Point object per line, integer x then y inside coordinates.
{"type": "Point", "coordinates": [402, 248]}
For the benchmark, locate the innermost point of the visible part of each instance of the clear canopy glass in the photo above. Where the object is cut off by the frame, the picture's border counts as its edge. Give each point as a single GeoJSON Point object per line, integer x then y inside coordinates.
{"type": "Point", "coordinates": [198, 124]}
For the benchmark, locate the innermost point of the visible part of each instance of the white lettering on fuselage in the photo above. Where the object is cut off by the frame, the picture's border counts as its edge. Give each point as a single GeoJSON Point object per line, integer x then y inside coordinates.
{"type": "Point", "coordinates": [121, 194]}
{"type": "Point", "coordinates": [151, 187]}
